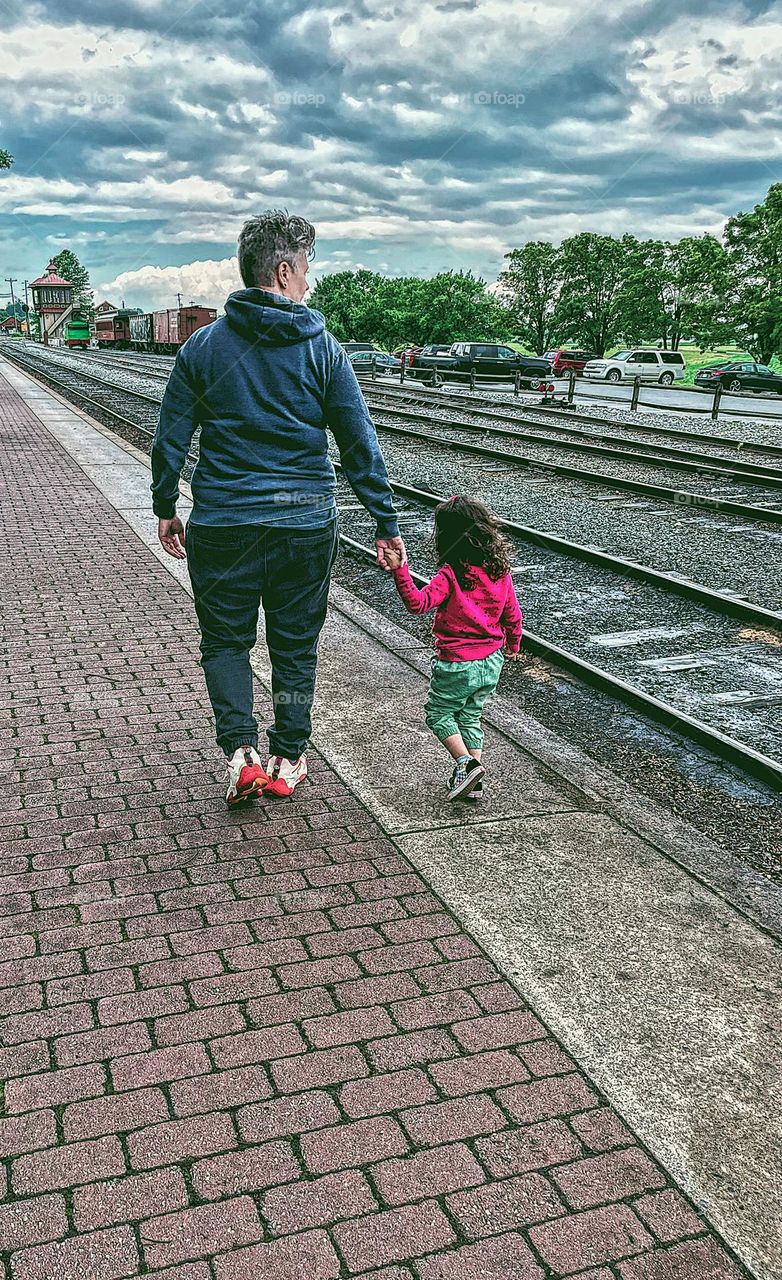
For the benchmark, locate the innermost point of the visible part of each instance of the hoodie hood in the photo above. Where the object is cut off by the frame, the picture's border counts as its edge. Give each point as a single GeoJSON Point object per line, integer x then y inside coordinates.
{"type": "Point", "coordinates": [271, 319]}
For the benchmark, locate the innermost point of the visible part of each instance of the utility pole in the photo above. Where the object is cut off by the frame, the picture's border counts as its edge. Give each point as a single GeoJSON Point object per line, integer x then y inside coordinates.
{"type": "Point", "coordinates": [12, 281]}
{"type": "Point", "coordinates": [179, 301]}
{"type": "Point", "coordinates": [29, 312]}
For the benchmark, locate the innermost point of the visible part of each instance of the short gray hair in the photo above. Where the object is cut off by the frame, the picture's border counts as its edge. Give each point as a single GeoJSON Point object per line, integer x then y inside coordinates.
{"type": "Point", "coordinates": [267, 240]}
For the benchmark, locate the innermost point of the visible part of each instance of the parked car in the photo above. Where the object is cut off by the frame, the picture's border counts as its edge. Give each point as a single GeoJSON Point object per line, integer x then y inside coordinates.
{"type": "Point", "coordinates": [489, 359]}
{"type": "Point", "coordinates": [350, 347]}
{"type": "Point", "coordinates": [433, 348]}
{"type": "Point", "coordinates": [564, 358]}
{"type": "Point", "coordinates": [362, 361]}
{"type": "Point", "coordinates": [739, 375]}
{"type": "Point", "coordinates": [647, 363]}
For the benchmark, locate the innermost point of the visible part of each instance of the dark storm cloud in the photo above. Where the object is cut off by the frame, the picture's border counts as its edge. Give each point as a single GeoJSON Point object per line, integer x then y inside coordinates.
{"type": "Point", "coordinates": [384, 118]}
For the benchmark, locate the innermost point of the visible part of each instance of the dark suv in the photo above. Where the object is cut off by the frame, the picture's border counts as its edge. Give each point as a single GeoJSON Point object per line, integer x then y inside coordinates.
{"type": "Point", "coordinates": [564, 358]}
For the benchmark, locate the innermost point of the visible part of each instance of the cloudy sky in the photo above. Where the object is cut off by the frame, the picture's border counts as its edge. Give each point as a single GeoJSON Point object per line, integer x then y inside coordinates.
{"type": "Point", "coordinates": [418, 137]}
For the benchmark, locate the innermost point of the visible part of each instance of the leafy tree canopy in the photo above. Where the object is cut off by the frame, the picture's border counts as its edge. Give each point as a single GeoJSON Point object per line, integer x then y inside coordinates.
{"type": "Point", "coordinates": [72, 270]}
{"type": "Point", "coordinates": [389, 311]}
{"type": "Point", "coordinates": [754, 249]}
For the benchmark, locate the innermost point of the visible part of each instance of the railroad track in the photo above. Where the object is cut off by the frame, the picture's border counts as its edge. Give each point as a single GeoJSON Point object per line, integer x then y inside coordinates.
{"type": "Point", "coordinates": [586, 391]}
{"type": "Point", "coordinates": [731, 603]}
{"type": "Point", "coordinates": [677, 719]}
{"type": "Point", "coordinates": [621, 448]}
{"type": "Point", "coordinates": [612, 676]}
{"type": "Point", "coordinates": [145, 365]}
{"type": "Point", "coordinates": [707, 469]}
{"type": "Point", "coordinates": [771, 480]}
{"type": "Point", "coordinates": [513, 411]}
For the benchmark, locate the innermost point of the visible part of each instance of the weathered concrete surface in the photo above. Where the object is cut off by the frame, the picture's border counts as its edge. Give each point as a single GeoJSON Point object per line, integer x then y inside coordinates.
{"type": "Point", "coordinates": [372, 724]}
{"type": "Point", "coordinates": [662, 990]}
{"type": "Point", "coordinates": [758, 896]}
{"type": "Point", "coordinates": [665, 992]}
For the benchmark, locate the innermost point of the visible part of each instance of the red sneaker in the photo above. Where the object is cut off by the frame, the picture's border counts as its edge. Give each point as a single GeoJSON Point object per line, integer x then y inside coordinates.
{"type": "Point", "coordinates": [246, 776]}
{"type": "Point", "coordinates": [285, 775]}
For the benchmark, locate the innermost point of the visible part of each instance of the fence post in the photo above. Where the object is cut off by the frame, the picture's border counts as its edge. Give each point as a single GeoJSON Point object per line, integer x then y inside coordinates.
{"type": "Point", "coordinates": [636, 389]}
{"type": "Point", "coordinates": [402, 370]}
{"type": "Point", "coordinates": [517, 382]}
{"type": "Point", "coordinates": [715, 406]}
{"type": "Point", "coordinates": [374, 368]}
{"type": "Point", "coordinates": [571, 387]}
{"type": "Point", "coordinates": [472, 377]}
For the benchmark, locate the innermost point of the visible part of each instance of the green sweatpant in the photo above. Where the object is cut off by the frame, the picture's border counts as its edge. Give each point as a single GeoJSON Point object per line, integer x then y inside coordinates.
{"type": "Point", "coordinates": [457, 693]}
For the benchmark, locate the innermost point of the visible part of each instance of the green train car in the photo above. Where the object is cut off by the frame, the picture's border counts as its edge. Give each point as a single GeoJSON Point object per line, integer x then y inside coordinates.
{"type": "Point", "coordinates": [77, 333]}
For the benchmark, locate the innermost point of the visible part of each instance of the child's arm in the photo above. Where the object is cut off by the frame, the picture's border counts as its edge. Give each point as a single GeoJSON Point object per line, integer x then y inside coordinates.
{"type": "Point", "coordinates": [423, 599]}
{"type": "Point", "coordinates": [511, 621]}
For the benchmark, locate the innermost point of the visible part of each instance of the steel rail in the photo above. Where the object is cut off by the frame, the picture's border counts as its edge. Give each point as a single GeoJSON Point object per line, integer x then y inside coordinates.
{"type": "Point", "coordinates": [664, 455]}
{"type": "Point", "coordinates": [679, 497]}
{"type": "Point", "coordinates": [720, 602]}
{"type": "Point", "coordinates": [568, 415]}
{"type": "Point", "coordinates": [729, 749]}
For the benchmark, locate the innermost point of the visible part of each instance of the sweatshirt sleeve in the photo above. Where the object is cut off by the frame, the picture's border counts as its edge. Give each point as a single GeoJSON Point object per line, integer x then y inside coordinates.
{"type": "Point", "coordinates": [171, 442]}
{"type": "Point", "coordinates": [423, 599]}
{"type": "Point", "coordinates": [511, 619]}
{"type": "Point", "coordinates": [362, 461]}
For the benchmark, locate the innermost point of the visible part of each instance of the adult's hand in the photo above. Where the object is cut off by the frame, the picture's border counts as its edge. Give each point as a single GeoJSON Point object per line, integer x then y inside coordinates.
{"type": "Point", "coordinates": [171, 535]}
{"type": "Point", "coordinates": [393, 545]}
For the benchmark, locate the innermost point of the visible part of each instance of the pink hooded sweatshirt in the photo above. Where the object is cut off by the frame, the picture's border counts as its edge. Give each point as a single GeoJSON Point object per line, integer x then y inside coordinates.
{"type": "Point", "coordinates": [472, 621]}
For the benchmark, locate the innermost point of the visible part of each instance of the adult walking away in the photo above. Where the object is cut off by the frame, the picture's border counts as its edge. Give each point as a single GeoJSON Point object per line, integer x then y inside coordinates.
{"type": "Point", "coordinates": [263, 383]}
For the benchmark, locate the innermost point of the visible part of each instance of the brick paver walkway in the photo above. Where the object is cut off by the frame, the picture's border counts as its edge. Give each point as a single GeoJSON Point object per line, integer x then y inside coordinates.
{"type": "Point", "coordinates": [251, 1045]}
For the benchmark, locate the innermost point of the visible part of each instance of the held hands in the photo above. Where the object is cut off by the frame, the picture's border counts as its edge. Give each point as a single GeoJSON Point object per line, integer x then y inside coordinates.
{"type": "Point", "coordinates": [391, 553]}
{"type": "Point", "coordinates": [171, 536]}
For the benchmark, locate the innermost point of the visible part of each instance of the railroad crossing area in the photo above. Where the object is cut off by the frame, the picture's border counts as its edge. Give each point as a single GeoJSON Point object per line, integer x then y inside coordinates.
{"type": "Point", "coordinates": [359, 1033]}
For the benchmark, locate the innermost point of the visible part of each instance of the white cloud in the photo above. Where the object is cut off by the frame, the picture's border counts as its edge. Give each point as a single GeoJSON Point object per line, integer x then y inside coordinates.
{"type": "Point", "coordinates": [207, 283]}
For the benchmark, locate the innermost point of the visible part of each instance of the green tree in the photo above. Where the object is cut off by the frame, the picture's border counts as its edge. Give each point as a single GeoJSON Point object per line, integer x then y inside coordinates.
{"type": "Point", "coordinates": [455, 305]}
{"type": "Point", "coordinates": [530, 287]}
{"type": "Point", "coordinates": [72, 270]}
{"type": "Point", "coordinates": [346, 299]}
{"type": "Point", "coordinates": [754, 247]}
{"type": "Point", "coordinates": [590, 306]}
{"type": "Point", "coordinates": [6, 159]}
{"type": "Point", "coordinates": [677, 289]}
{"type": "Point", "coordinates": [390, 310]}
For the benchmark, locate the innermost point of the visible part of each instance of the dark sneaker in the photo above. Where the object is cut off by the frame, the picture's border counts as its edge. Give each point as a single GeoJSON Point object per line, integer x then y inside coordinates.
{"type": "Point", "coordinates": [464, 778]}
{"type": "Point", "coordinates": [476, 793]}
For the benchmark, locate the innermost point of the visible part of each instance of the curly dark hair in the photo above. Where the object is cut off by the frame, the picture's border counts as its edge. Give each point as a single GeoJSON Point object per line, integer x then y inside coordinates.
{"type": "Point", "coordinates": [466, 535]}
{"type": "Point", "coordinates": [271, 238]}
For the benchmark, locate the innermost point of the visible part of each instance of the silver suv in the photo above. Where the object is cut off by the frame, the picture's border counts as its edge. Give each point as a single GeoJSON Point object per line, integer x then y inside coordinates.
{"type": "Point", "coordinates": [646, 363]}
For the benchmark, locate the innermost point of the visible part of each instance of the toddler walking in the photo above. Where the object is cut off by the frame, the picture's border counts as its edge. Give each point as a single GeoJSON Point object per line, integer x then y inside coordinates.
{"type": "Point", "coordinates": [477, 623]}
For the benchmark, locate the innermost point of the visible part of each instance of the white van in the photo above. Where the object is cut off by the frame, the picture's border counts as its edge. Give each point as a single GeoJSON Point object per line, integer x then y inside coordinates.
{"type": "Point", "coordinates": [646, 363]}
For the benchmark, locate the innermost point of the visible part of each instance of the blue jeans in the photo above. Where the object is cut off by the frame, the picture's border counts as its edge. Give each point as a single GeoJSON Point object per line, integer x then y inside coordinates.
{"type": "Point", "coordinates": [234, 570]}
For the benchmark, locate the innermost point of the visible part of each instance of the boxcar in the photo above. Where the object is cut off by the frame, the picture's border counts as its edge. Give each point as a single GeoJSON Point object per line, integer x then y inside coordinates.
{"type": "Point", "coordinates": [171, 328]}
{"type": "Point", "coordinates": [141, 332]}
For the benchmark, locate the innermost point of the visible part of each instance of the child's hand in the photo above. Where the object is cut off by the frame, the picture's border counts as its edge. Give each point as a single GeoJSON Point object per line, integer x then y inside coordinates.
{"type": "Point", "coordinates": [512, 656]}
{"type": "Point", "coordinates": [393, 559]}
